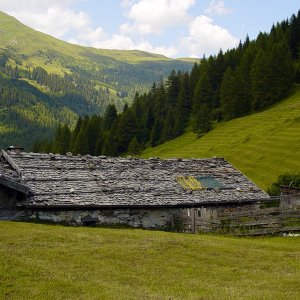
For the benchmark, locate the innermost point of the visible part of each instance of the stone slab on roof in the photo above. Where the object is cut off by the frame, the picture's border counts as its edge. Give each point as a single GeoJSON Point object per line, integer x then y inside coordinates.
{"type": "Point", "coordinates": [78, 181]}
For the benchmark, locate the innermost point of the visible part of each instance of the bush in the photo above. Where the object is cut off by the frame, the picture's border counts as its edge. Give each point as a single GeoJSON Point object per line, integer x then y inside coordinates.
{"type": "Point", "coordinates": [287, 179]}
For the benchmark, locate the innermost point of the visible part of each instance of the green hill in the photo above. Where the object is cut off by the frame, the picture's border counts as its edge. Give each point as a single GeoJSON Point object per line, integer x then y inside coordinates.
{"type": "Point", "coordinates": [74, 80]}
{"type": "Point", "coordinates": [56, 262]}
{"type": "Point", "coordinates": [30, 48]}
{"type": "Point", "coordinates": [262, 145]}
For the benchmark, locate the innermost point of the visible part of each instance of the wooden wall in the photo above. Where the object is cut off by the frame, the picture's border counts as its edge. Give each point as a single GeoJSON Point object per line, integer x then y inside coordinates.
{"type": "Point", "coordinates": [251, 219]}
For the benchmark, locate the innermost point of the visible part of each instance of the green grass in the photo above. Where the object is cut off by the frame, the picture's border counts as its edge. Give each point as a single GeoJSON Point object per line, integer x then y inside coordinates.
{"type": "Point", "coordinates": [262, 146]}
{"type": "Point", "coordinates": [56, 262]}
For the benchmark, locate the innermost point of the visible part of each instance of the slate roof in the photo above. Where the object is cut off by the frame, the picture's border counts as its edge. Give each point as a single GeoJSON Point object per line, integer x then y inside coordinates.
{"type": "Point", "coordinates": [88, 181]}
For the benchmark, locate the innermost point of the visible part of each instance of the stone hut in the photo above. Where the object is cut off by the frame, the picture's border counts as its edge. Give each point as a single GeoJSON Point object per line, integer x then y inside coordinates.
{"type": "Point", "coordinates": [148, 193]}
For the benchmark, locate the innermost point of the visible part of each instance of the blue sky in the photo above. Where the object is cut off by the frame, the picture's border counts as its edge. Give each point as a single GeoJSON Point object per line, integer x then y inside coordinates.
{"type": "Point", "coordinates": [176, 28]}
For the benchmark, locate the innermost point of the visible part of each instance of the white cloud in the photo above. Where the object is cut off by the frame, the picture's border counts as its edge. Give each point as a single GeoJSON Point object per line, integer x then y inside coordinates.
{"type": "Point", "coordinates": [123, 42]}
{"type": "Point", "coordinates": [127, 3]}
{"type": "Point", "coordinates": [153, 16]}
{"type": "Point", "coordinates": [217, 7]}
{"type": "Point", "coordinates": [206, 38]}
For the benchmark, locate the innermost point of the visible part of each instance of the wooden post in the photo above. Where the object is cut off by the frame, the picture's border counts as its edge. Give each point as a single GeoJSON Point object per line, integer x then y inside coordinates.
{"type": "Point", "coordinates": [11, 162]}
{"type": "Point", "coordinates": [193, 223]}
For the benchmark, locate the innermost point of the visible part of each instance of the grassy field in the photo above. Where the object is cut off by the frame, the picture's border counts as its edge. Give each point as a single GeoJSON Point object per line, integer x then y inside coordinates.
{"type": "Point", "coordinates": [56, 262]}
{"type": "Point", "coordinates": [262, 145]}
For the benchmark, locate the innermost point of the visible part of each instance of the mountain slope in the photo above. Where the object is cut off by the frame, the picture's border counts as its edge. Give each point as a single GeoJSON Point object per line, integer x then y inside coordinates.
{"type": "Point", "coordinates": [34, 48]}
{"type": "Point", "coordinates": [75, 80]}
{"type": "Point", "coordinates": [262, 145]}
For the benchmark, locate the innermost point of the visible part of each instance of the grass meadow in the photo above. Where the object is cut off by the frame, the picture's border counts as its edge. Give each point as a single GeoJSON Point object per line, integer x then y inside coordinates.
{"type": "Point", "coordinates": [56, 262]}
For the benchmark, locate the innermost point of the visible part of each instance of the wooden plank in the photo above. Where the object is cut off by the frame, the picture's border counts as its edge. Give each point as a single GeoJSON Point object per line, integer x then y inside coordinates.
{"type": "Point", "coordinates": [11, 162]}
{"type": "Point", "coordinates": [14, 185]}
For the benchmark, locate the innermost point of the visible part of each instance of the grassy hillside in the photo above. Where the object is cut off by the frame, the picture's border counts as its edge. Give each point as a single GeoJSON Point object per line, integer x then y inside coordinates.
{"type": "Point", "coordinates": [35, 49]}
{"type": "Point", "coordinates": [55, 262]}
{"type": "Point", "coordinates": [95, 78]}
{"type": "Point", "coordinates": [28, 41]}
{"type": "Point", "coordinates": [262, 145]}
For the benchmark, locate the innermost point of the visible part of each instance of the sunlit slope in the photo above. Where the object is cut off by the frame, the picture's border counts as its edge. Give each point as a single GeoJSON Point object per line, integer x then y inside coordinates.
{"type": "Point", "coordinates": [262, 145]}
{"type": "Point", "coordinates": [31, 44]}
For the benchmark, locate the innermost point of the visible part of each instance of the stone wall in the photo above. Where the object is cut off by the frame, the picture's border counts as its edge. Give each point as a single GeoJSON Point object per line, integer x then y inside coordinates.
{"type": "Point", "coordinates": [161, 218]}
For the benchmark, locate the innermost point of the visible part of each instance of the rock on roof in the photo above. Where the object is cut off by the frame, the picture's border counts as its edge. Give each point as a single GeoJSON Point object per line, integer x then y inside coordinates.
{"type": "Point", "coordinates": [68, 181]}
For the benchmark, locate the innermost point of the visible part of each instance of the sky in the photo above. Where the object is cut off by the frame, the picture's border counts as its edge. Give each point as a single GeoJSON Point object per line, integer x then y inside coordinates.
{"type": "Point", "coordinates": [175, 28]}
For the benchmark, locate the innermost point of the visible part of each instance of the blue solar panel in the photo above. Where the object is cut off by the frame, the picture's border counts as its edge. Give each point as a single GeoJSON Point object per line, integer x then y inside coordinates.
{"type": "Point", "coordinates": [210, 182]}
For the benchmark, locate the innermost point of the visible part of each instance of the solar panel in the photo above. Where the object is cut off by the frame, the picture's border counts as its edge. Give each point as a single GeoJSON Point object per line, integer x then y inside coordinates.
{"type": "Point", "coordinates": [199, 183]}
{"type": "Point", "coordinates": [210, 182]}
{"type": "Point", "coordinates": [189, 183]}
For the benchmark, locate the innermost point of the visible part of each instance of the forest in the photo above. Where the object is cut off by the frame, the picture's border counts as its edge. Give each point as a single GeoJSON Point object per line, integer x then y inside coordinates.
{"type": "Point", "coordinates": [247, 79]}
{"type": "Point", "coordinates": [34, 101]}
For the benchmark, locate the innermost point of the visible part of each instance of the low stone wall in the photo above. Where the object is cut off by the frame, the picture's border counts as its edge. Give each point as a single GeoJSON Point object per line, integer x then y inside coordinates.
{"type": "Point", "coordinates": [163, 218]}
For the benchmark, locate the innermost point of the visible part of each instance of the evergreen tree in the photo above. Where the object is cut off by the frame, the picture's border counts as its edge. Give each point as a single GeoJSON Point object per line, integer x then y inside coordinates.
{"type": "Point", "coordinates": [75, 133]}
{"type": "Point", "coordinates": [110, 116]}
{"type": "Point", "coordinates": [127, 130]}
{"type": "Point", "coordinates": [156, 133]}
{"type": "Point", "coordinates": [169, 126]}
{"type": "Point", "coordinates": [62, 139]}
{"type": "Point", "coordinates": [81, 144]}
{"type": "Point", "coordinates": [203, 93]}
{"type": "Point", "coordinates": [110, 145]}
{"type": "Point", "coordinates": [261, 80]}
{"type": "Point", "coordinates": [173, 87]}
{"type": "Point", "coordinates": [282, 73]}
{"type": "Point", "coordinates": [134, 147]}
{"type": "Point", "coordinates": [94, 132]}
{"type": "Point", "coordinates": [202, 120]}
{"type": "Point", "coordinates": [234, 98]}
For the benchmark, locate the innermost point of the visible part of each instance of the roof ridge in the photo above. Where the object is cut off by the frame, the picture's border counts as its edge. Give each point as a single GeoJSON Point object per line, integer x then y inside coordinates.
{"type": "Point", "coordinates": [11, 162]}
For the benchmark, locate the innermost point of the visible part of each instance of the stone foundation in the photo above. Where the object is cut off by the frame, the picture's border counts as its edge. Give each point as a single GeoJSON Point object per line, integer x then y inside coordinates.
{"type": "Point", "coordinates": [163, 219]}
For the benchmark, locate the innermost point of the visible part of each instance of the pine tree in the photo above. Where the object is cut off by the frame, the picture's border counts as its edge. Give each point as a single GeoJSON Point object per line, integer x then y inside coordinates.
{"type": "Point", "coordinates": [156, 133]}
{"type": "Point", "coordinates": [261, 80]}
{"type": "Point", "coordinates": [173, 87]}
{"type": "Point", "coordinates": [134, 147]}
{"type": "Point", "coordinates": [127, 130]}
{"type": "Point", "coordinates": [62, 139]}
{"type": "Point", "coordinates": [94, 134]}
{"type": "Point", "coordinates": [234, 98]}
{"type": "Point", "coordinates": [203, 93]}
{"type": "Point", "coordinates": [110, 116]}
{"type": "Point", "coordinates": [202, 120]}
{"type": "Point", "coordinates": [282, 74]}
{"type": "Point", "coordinates": [169, 126]}
{"type": "Point", "coordinates": [110, 145]}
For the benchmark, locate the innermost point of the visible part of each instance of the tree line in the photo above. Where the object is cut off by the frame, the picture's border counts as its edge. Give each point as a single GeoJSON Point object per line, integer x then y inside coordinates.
{"type": "Point", "coordinates": [251, 77]}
